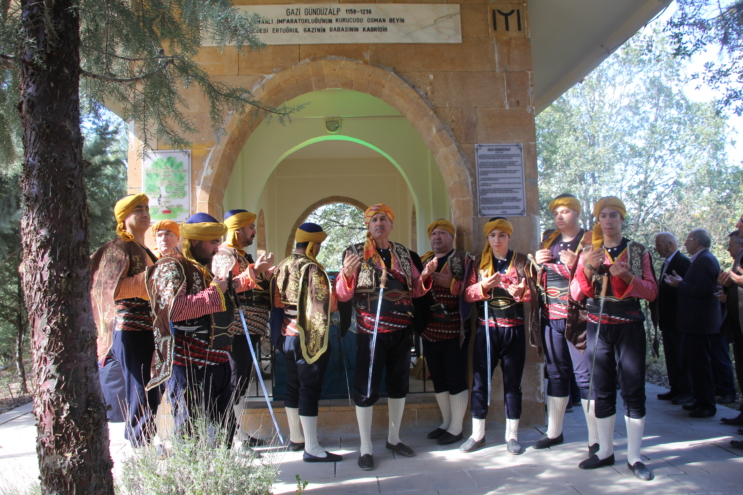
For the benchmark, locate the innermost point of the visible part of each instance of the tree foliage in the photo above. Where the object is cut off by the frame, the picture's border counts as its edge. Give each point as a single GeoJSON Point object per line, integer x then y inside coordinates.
{"type": "Point", "coordinates": [344, 225]}
{"type": "Point", "coordinates": [699, 26]}
{"type": "Point", "coordinates": [629, 130]}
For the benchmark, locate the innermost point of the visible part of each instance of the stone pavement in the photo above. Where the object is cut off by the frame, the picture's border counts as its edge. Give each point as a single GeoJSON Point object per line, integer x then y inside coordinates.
{"type": "Point", "coordinates": [687, 456]}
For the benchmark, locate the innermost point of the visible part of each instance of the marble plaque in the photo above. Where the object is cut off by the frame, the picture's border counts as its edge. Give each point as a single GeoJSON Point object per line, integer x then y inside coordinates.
{"type": "Point", "coordinates": [501, 189]}
{"type": "Point", "coordinates": [303, 24]}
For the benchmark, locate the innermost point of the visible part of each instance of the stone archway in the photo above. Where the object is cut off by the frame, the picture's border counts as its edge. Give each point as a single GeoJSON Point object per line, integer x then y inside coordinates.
{"type": "Point", "coordinates": [383, 84]}
{"type": "Point", "coordinates": [313, 207]}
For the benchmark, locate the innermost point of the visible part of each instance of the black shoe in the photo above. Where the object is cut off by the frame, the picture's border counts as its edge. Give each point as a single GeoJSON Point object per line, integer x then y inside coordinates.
{"type": "Point", "coordinates": [546, 442]}
{"type": "Point", "coordinates": [577, 402]}
{"type": "Point", "coordinates": [594, 462]}
{"type": "Point", "coordinates": [328, 457]}
{"type": "Point", "coordinates": [366, 462]}
{"type": "Point", "coordinates": [725, 399]}
{"type": "Point", "coordinates": [472, 445]}
{"type": "Point", "coordinates": [256, 442]}
{"type": "Point", "coordinates": [703, 412]}
{"type": "Point", "coordinates": [736, 421]}
{"type": "Point", "coordinates": [401, 449]}
{"type": "Point", "coordinates": [740, 431]}
{"type": "Point", "coordinates": [513, 447]}
{"type": "Point", "coordinates": [667, 396]}
{"type": "Point", "coordinates": [245, 450]}
{"type": "Point", "coordinates": [736, 443]}
{"type": "Point", "coordinates": [295, 447]}
{"type": "Point", "coordinates": [447, 438]}
{"type": "Point", "coordinates": [569, 408]}
{"type": "Point", "coordinates": [640, 471]}
{"type": "Point", "coordinates": [682, 399]}
{"type": "Point", "coordinates": [435, 433]}
{"type": "Point", "coordinates": [691, 407]}
{"type": "Point", "coordinates": [593, 449]}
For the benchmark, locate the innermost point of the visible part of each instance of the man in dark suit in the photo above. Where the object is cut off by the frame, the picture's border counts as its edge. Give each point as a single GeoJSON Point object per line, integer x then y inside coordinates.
{"type": "Point", "coordinates": [731, 297]}
{"type": "Point", "coordinates": [678, 373]}
{"type": "Point", "coordinates": [698, 317]}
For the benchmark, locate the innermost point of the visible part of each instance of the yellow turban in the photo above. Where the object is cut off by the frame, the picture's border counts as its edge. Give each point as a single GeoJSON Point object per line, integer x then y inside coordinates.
{"type": "Point", "coordinates": [486, 260]}
{"type": "Point", "coordinates": [166, 225]}
{"type": "Point", "coordinates": [311, 238]}
{"type": "Point", "coordinates": [441, 224]}
{"type": "Point", "coordinates": [235, 223]}
{"type": "Point", "coordinates": [567, 201]}
{"type": "Point", "coordinates": [123, 209]}
{"type": "Point", "coordinates": [370, 247]}
{"type": "Point", "coordinates": [613, 203]}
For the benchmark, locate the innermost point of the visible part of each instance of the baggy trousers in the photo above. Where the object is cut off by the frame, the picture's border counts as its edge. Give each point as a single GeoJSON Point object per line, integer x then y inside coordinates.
{"type": "Point", "coordinates": [202, 392]}
{"type": "Point", "coordinates": [303, 381]}
{"type": "Point", "coordinates": [563, 361]}
{"type": "Point", "coordinates": [620, 346]}
{"type": "Point", "coordinates": [507, 345]}
{"type": "Point", "coordinates": [133, 350]}
{"type": "Point", "coordinates": [392, 354]}
{"type": "Point", "coordinates": [447, 363]}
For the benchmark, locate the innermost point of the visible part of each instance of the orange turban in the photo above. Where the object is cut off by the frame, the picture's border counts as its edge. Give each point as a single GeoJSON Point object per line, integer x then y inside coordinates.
{"type": "Point", "coordinates": [370, 247]}
{"type": "Point", "coordinates": [486, 260]}
{"type": "Point", "coordinates": [441, 224]}
{"type": "Point", "coordinates": [567, 201]}
{"type": "Point", "coordinates": [166, 225]}
{"type": "Point", "coordinates": [611, 202]}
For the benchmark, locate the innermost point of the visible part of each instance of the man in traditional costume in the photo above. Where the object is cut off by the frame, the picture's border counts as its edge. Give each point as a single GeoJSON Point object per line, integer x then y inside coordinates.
{"type": "Point", "coordinates": [300, 328]}
{"type": "Point", "coordinates": [121, 310]}
{"type": "Point", "coordinates": [556, 262]}
{"type": "Point", "coordinates": [251, 284]}
{"type": "Point", "coordinates": [445, 340]}
{"type": "Point", "coordinates": [732, 324]}
{"type": "Point", "coordinates": [194, 314]}
{"type": "Point", "coordinates": [497, 278]}
{"type": "Point", "coordinates": [365, 266]}
{"type": "Point", "coordinates": [618, 340]}
{"type": "Point", "coordinates": [166, 234]}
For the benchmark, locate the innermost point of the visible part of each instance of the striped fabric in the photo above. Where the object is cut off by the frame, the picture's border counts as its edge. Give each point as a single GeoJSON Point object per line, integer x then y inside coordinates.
{"type": "Point", "coordinates": [191, 351]}
{"type": "Point", "coordinates": [437, 331]}
{"type": "Point", "coordinates": [133, 315]}
{"type": "Point", "coordinates": [501, 322]}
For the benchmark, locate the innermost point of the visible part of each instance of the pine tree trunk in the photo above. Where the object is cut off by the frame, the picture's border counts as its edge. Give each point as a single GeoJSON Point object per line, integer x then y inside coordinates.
{"type": "Point", "coordinates": [72, 443]}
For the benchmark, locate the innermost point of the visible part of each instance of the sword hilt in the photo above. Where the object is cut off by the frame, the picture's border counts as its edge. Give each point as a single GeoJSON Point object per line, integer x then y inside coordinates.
{"type": "Point", "coordinates": [604, 285]}
{"type": "Point", "coordinates": [383, 281]}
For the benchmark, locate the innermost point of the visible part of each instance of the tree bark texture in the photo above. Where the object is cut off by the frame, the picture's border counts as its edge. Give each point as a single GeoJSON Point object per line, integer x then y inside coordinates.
{"type": "Point", "coordinates": [72, 443]}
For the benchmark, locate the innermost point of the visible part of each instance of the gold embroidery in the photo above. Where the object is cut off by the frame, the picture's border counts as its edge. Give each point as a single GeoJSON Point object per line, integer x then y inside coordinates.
{"type": "Point", "coordinates": [321, 289]}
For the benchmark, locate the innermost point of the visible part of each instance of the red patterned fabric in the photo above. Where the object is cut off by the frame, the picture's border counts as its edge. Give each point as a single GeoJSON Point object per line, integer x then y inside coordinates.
{"type": "Point", "coordinates": [190, 351]}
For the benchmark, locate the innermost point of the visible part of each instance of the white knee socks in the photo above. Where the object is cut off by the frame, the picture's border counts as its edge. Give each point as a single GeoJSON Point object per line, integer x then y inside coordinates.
{"type": "Point", "coordinates": [364, 417]}
{"type": "Point", "coordinates": [295, 429]}
{"type": "Point", "coordinates": [445, 406]}
{"type": "Point", "coordinates": [605, 427]}
{"type": "Point", "coordinates": [555, 415]}
{"type": "Point", "coordinates": [635, 428]}
{"type": "Point", "coordinates": [478, 429]}
{"type": "Point", "coordinates": [396, 407]}
{"type": "Point", "coordinates": [593, 437]}
{"type": "Point", "coordinates": [458, 408]}
{"type": "Point", "coordinates": [512, 429]}
{"type": "Point", "coordinates": [311, 445]}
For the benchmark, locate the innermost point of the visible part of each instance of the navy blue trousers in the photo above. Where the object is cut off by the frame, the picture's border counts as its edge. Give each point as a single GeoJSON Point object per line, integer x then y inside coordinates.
{"type": "Point", "coordinates": [447, 364]}
{"type": "Point", "coordinates": [392, 354]}
{"type": "Point", "coordinates": [564, 363]}
{"type": "Point", "coordinates": [619, 346]}
{"type": "Point", "coordinates": [133, 350]}
{"type": "Point", "coordinates": [507, 346]}
{"type": "Point", "coordinates": [303, 381]}
{"type": "Point", "coordinates": [202, 392]}
{"type": "Point", "coordinates": [699, 356]}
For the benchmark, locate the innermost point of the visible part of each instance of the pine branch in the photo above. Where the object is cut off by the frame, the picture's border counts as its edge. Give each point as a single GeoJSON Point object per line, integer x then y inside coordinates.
{"type": "Point", "coordinates": [129, 79]}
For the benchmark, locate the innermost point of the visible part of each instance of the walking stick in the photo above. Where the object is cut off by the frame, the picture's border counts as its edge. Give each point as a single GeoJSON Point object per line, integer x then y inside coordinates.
{"type": "Point", "coordinates": [382, 284]}
{"type": "Point", "coordinates": [260, 377]}
{"type": "Point", "coordinates": [604, 284]}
